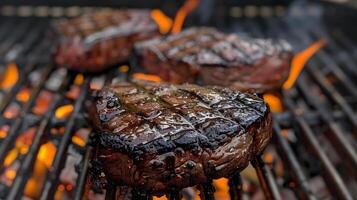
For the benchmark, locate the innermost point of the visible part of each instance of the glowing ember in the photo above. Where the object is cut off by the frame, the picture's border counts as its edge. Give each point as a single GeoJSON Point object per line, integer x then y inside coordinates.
{"type": "Point", "coordinates": [21, 146]}
{"type": "Point", "coordinates": [69, 187]}
{"type": "Point", "coordinates": [10, 77]}
{"type": "Point", "coordinates": [47, 153]}
{"type": "Point", "coordinates": [34, 184]}
{"type": "Point", "coordinates": [12, 111]}
{"type": "Point", "coordinates": [11, 157]}
{"type": "Point", "coordinates": [10, 174]}
{"type": "Point", "coordinates": [181, 14]}
{"type": "Point", "coordinates": [268, 158]}
{"type": "Point", "coordinates": [285, 133]}
{"type": "Point", "coordinates": [300, 60]}
{"type": "Point", "coordinates": [274, 102]}
{"type": "Point", "coordinates": [146, 77]}
{"type": "Point", "coordinates": [42, 102]}
{"type": "Point", "coordinates": [57, 131]}
{"type": "Point", "coordinates": [4, 130]}
{"type": "Point", "coordinates": [164, 22]}
{"type": "Point", "coordinates": [73, 93]}
{"type": "Point", "coordinates": [24, 141]}
{"type": "Point", "coordinates": [124, 69]}
{"type": "Point", "coordinates": [79, 79]}
{"type": "Point", "coordinates": [78, 141]}
{"type": "Point", "coordinates": [23, 95]}
{"type": "Point", "coordinates": [64, 111]}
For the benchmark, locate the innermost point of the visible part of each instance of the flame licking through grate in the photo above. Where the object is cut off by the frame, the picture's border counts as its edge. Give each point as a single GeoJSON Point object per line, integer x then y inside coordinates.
{"type": "Point", "coordinates": [297, 65]}
{"type": "Point", "coordinates": [181, 14]}
{"type": "Point", "coordinates": [300, 60]}
{"type": "Point", "coordinates": [164, 22]}
{"type": "Point", "coordinates": [146, 77]}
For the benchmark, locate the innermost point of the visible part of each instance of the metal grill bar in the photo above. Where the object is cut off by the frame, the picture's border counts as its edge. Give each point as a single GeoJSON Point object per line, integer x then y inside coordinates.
{"type": "Point", "coordinates": [333, 179]}
{"type": "Point", "coordinates": [28, 163]}
{"type": "Point", "coordinates": [14, 130]}
{"type": "Point", "coordinates": [266, 179]}
{"type": "Point", "coordinates": [294, 166]}
{"type": "Point", "coordinates": [337, 135]}
{"type": "Point", "coordinates": [83, 174]}
{"type": "Point", "coordinates": [58, 162]}
{"type": "Point", "coordinates": [331, 92]}
{"type": "Point", "coordinates": [9, 96]}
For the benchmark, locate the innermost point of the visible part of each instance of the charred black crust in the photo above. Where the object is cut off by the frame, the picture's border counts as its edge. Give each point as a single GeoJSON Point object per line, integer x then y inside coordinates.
{"type": "Point", "coordinates": [250, 105]}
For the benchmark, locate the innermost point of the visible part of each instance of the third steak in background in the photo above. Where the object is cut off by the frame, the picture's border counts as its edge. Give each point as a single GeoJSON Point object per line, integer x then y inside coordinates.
{"type": "Point", "coordinates": [96, 41]}
{"type": "Point", "coordinates": [257, 65]}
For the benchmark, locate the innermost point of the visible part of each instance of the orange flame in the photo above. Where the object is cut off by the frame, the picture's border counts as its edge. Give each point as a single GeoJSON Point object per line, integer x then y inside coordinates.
{"type": "Point", "coordinates": [160, 198]}
{"type": "Point", "coordinates": [47, 153]}
{"type": "Point", "coordinates": [274, 102]}
{"type": "Point", "coordinates": [146, 77]}
{"type": "Point", "coordinates": [10, 76]}
{"type": "Point", "coordinates": [181, 14]}
{"type": "Point", "coordinates": [300, 60]}
{"type": "Point", "coordinates": [164, 22]}
{"type": "Point", "coordinates": [222, 189]}
{"type": "Point", "coordinates": [64, 111]}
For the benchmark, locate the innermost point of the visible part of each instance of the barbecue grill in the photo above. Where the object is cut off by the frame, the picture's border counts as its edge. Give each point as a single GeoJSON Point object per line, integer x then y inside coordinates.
{"type": "Point", "coordinates": [45, 141]}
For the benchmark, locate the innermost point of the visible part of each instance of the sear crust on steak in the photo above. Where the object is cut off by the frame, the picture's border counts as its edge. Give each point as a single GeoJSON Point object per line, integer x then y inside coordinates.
{"type": "Point", "coordinates": [159, 136]}
{"type": "Point", "coordinates": [217, 59]}
{"type": "Point", "coordinates": [95, 41]}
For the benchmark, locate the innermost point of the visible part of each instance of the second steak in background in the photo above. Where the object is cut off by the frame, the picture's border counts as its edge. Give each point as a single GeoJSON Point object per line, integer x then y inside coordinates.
{"type": "Point", "coordinates": [257, 65]}
{"type": "Point", "coordinates": [96, 41]}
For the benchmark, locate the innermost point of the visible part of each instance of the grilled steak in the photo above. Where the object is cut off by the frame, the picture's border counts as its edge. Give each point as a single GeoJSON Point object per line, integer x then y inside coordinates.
{"type": "Point", "coordinates": [218, 59]}
{"type": "Point", "coordinates": [159, 136]}
{"type": "Point", "coordinates": [93, 42]}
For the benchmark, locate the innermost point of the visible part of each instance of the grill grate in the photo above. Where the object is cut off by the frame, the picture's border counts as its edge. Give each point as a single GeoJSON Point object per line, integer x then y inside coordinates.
{"type": "Point", "coordinates": [320, 116]}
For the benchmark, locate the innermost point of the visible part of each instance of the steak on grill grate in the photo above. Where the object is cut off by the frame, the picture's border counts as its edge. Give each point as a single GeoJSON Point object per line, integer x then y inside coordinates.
{"type": "Point", "coordinates": [93, 42]}
{"type": "Point", "coordinates": [219, 59]}
{"type": "Point", "coordinates": [158, 136]}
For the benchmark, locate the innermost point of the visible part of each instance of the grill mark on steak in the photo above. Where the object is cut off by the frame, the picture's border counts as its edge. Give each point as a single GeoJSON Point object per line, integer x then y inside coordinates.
{"type": "Point", "coordinates": [201, 116]}
{"type": "Point", "coordinates": [201, 108]}
{"type": "Point", "coordinates": [199, 133]}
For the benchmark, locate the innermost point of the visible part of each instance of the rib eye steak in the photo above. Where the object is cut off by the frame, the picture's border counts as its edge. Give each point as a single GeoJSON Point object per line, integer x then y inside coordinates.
{"type": "Point", "coordinates": [157, 136]}
{"type": "Point", "coordinates": [94, 41]}
{"type": "Point", "coordinates": [218, 59]}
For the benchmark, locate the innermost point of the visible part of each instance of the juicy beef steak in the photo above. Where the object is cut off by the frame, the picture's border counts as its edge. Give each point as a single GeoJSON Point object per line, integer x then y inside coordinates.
{"type": "Point", "coordinates": [93, 42]}
{"type": "Point", "coordinates": [218, 59]}
{"type": "Point", "coordinates": [159, 136]}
